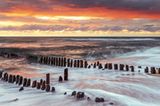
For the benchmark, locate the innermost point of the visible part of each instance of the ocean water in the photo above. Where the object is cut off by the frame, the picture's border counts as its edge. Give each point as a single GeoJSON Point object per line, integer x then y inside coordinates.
{"type": "Point", "coordinates": [120, 88]}
{"type": "Point", "coordinates": [87, 48]}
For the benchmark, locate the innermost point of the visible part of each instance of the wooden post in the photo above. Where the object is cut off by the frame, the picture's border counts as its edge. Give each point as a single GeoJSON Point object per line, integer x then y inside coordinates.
{"type": "Point", "coordinates": [74, 63]}
{"type": "Point", "coordinates": [10, 78]}
{"type": "Point", "coordinates": [100, 66]}
{"type": "Point", "coordinates": [66, 74]}
{"type": "Point", "coordinates": [38, 85]}
{"type": "Point", "coordinates": [5, 77]}
{"type": "Point", "coordinates": [25, 82]}
{"type": "Point", "coordinates": [14, 78]}
{"type": "Point", "coordinates": [146, 70]}
{"type": "Point", "coordinates": [43, 87]}
{"type": "Point", "coordinates": [20, 80]}
{"type": "Point", "coordinates": [60, 79]}
{"type": "Point", "coordinates": [81, 63]}
{"type": "Point", "coordinates": [17, 79]}
{"type": "Point", "coordinates": [47, 88]}
{"type": "Point", "coordinates": [153, 70]}
{"type": "Point", "coordinates": [64, 62]}
{"type": "Point", "coordinates": [121, 67]}
{"type": "Point", "coordinates": [78, 63]}
{"type": "Point", "coordinates": [71, 63]}
{"type": "Point", "coordinates": [127, 68]}
{"type": "Point", "coordinates": [98, 63]}
{"type": "Point", "coordinates": [34, 83]}
{"type": "Point", "coordinates": [59, 61]}
{"type": "Point", "coordinates": [116, 66]}
{"type": "Point", "coordinates": [1, 74]}
{"type": "Point", "coordinates": [48, 79]}
{"type": "Point", "coordinates": [41, 81]}
{"type": "Point", "coordinates": [53, 89]}
{"type": "Point", "coordinates": [68, 62]}
{"type": "Point", "coordinates": [28, 82]}
{"type": "Point", "coordinates": [132, 68]}
{"type": "Point", "coordinates": [94, 66]}
{"type": "Point", "coordinates": [106, 66]}
{"type": "Point", "coordinates": [110, 66]}
{"type": "Point", "coordinates": [85, 64]}
{"type": "Point", "coordinates": [54, 61]}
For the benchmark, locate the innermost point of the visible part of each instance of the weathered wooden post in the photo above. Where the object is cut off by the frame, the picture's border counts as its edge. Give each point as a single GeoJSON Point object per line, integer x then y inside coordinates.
{"type": "Point", "coordinates": [94, 65]}
{"type": "Point", "coordinates": [1, 74]}
{"type": "Point", "coordinates": [68, 62]}
{"type": "Point", "coordinates": [51, 60]}
{"type": "Point", "coordinates": [121, 67]}
{"type": "Point", "coordinates": [48, 79]}
{"type": "Point", "coordinates": [10, 78]}
{"type": "Point", "coordinates": [78, 63]}
{"type": "Point", "coordinates": [115, 66]}
{"type": "Point", "coordinates": [40, 59]}
{"type": "Point", "coordinates": [53, 89]}
{"type": "Point", "coordinates": [54, 61]}
{"type": "Point", "coordinates": [34, 83]}
{"type": "Point", "coordinates": [60, 79]}
{"type": "Point", "coordinates": [100, 66]}
{"type": "Point", "coordinates": [146, 70]}
{"type": "Point", "coordinates": [81, 63]}
{"type": "Point", "coordinates": [47, 88]}
{"type": "Point", "coordinates": [75, 63]}
{"type": "Point", "coordinates": [71, 63]}
{"type": "Point", "coordinates": [14, 78]}
{"type": "Point", "coordinates": [85, 64]}
{"type": "Point", "coordinates": [28, 83]}
{"type": "Point", "coordinates": [38, 86]}
{"type": "Point", "coordinates": [20, 80]}
{"type": "Point", "coordinates": [41, 81]}
{"type": "Point", "coordinates": [24, 82]}
{"type": "Point", "coordinates": [106, 66]}
{"type": "Point", "coordinates": [5, 77]}
{"type": "Point", "coordinates": [132, 68]}
{"type": "Point", "coordinates": [153, 70]}
{"type": "Point", "coordinates": [127, 68]}
{"type": "Point", "coordinates": [45, 60]}
{"type": "Point", "coordinates": [43, 85]}
{"type": "Point", "coordinates": [98, 63]}
{"type": "Point", "coordinates": [110, 66]}
{"type": "Point", "coordinates": [17, 79]}
{"type": "Point", "coordinates": [66, 74]}
{"type": "Point", "coordinates": [59, 61]}
{"type": "Point", "coordinates": [64, 62]}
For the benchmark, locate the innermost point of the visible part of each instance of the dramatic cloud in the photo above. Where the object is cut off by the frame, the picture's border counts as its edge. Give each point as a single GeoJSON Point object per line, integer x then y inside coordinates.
{"type": "Point", "coordinates": [80, 15]}
{"type": "Point", "coordinates": [35, 27]}
{"type": "Point", "coordinates": [138, 5]}
{"type": "Point", "coordinates": [130, 8]}
{"type": "Point", "coordinates": [85, 27]}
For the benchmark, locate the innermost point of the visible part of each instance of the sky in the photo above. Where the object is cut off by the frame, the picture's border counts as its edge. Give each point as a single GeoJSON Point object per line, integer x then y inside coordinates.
{"type": "Point", "coordinates": [80, 18]}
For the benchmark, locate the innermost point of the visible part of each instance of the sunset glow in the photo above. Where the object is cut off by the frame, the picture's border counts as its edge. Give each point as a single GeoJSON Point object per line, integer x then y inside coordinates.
{"type": "Point", "coordinates": [94, 17]}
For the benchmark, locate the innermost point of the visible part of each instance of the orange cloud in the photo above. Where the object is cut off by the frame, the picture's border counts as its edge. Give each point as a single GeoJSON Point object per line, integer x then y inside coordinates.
{"type": "Point", "coordinates": [90, 12]}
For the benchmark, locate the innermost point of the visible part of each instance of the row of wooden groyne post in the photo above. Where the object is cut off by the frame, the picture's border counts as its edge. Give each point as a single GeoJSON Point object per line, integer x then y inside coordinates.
{"type": "Point", "coordinates": [78, 63]}
{"type": "Point", "coordinates": [27, 82]}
